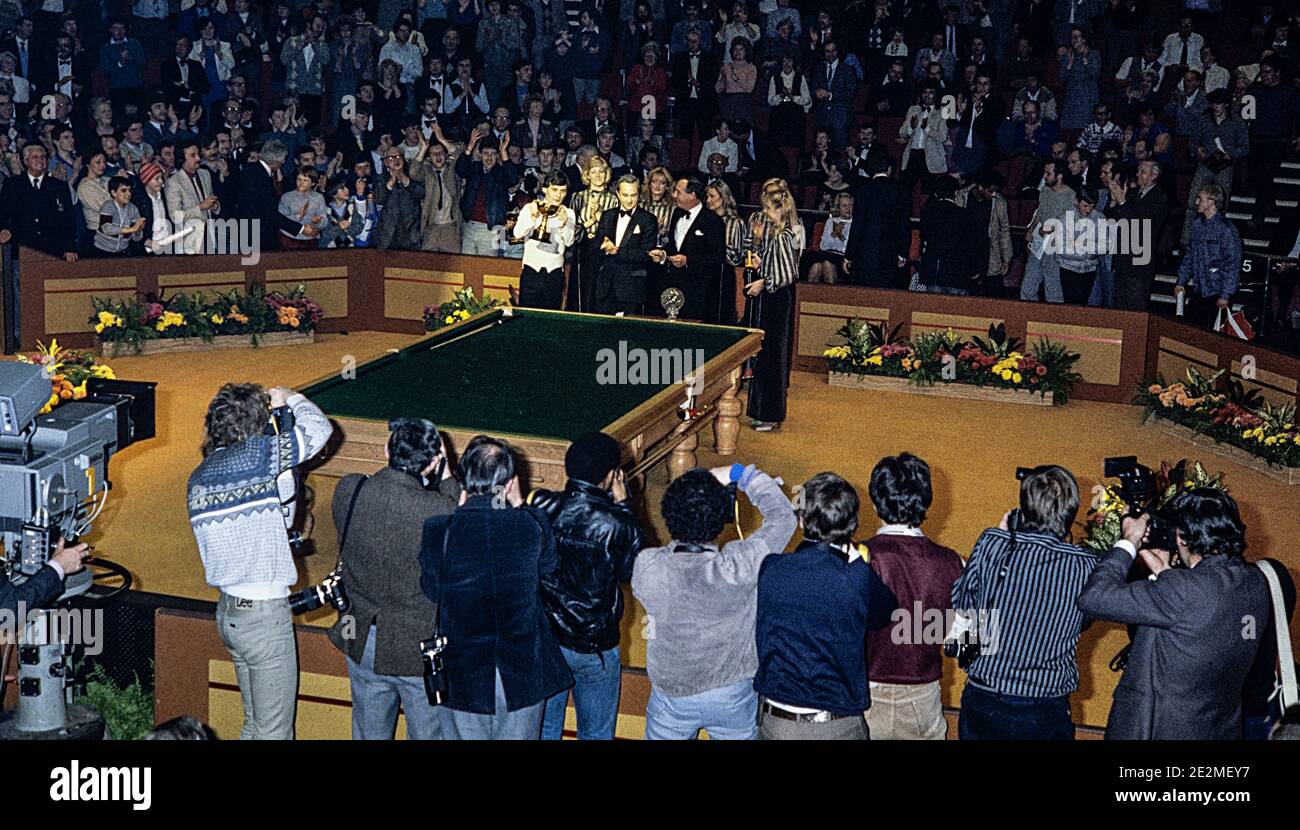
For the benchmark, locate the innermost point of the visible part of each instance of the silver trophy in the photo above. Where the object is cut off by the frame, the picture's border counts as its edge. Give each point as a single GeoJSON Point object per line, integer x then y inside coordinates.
{"type": "Point", "coordinates": [672, 299]}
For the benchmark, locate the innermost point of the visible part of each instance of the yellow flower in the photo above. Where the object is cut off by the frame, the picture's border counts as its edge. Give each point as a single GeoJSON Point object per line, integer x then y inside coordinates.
{"type": "Point", "coordinates": [169, 319]}
{"type": "Point", "coordinates": [100, 370]}
{"type": "Point", "coordinates": [1006, 374]}
{"type": "Point", "coordinates": [218, 319]}
{"type": "Point", "coordinates": [876, 360]}
{"type": "Point", "coordinates": [449, 320]}
{"type": "Point", "coordinates": [1271, 440]}
{"type": "Point", "coordinates": [1015, 377]}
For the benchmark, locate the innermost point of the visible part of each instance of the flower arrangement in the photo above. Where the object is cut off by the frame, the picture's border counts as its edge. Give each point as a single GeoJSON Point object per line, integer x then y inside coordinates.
{"type": "Point", "coordinates": [461, 306]}
{"type": "Point", "coordinates": [1104, 524]}
{"type": "Point", "coordinates": [129, 323]}
{"type": "Point", "coordinates": [68, 370]}
{"type": "Point", "coordinates": [944, 357]}
{"type": "Point", "coordinates": [1238, 417]}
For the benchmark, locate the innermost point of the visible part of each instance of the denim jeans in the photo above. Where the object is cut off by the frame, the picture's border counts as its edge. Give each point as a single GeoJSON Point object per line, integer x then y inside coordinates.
{"type": "Point", "coordinates": [1044, 271]}
{"type": "Point", "coordinates": [520, 725]}
{"type": "Point", "coordinates": [375, 698]}
{"type": "Point", "coordinates": [259, 636]}
{"type": "Point", "coordinates": [727, 713]}
{"type": "Point", "coordinates": [596, 682]}
{"type": "Point", "coordinates": [992, 716]}
{"type": "Point", "coordinates": [1103, 290]}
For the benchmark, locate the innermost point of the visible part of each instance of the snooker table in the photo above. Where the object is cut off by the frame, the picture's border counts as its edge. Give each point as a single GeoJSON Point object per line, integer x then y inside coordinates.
{"type": "Point", "coordinates": [539, 379]}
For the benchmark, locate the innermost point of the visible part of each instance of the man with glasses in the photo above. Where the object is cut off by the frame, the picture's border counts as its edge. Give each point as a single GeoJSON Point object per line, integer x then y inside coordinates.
{"type": "Point", "coordinates": [1101, 129]}
{"type": "Point", "coordinates": [401, 197]}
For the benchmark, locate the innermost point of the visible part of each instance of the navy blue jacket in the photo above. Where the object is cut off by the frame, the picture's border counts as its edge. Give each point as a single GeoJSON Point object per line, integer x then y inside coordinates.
{"type": "Point", "coordinates": [492, 612]}
{"type": "Point", "coordinates": [814, 611]}
{"type": "Point", "coordinates": [498, 182]}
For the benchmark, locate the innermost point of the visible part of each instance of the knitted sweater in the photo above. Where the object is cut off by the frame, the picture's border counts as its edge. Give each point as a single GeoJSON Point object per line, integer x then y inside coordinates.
{"type": "Point", "coordinates": [234, 502]}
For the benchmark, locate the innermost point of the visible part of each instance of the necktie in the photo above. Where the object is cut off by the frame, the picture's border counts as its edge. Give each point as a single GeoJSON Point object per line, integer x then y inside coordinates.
{"type": "Point", "coordinates": [952, 39]}
{"type": "Point", "coordinates": [830, 73]}
{"type": "Point", "coordinates": [624, 213]}
{"type": "Point", "coordinates": [1182, 60]}
{"type": "Point", "coordinates": [437, 174]}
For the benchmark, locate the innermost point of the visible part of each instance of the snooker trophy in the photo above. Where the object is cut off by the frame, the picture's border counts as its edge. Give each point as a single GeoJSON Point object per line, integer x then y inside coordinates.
{"type": "Point", "coordinates": [672, 300]}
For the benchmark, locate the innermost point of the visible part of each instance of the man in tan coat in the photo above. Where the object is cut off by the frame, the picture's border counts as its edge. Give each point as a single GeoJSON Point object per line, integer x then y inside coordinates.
{"type": "Point", "coordinates": [440, 218]}
{"type": "Point", "coordinates": [988, 208]}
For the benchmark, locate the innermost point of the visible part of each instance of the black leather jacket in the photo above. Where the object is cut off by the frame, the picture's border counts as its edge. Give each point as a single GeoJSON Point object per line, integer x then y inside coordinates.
{"type": "Point", "coordinates": [597, 541]}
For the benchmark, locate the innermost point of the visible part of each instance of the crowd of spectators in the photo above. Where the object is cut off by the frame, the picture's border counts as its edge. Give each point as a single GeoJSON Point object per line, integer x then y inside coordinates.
{"type": "Point", "coordinates": [428, 125]}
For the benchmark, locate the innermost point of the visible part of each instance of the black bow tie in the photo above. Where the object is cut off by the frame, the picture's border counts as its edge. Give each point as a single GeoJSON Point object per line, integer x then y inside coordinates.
{"type": "Point", "coordinates": [624, 213]}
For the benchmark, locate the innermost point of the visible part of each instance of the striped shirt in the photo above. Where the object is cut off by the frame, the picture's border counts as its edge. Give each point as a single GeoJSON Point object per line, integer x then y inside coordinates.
{"type": "Point", "coordinates": [1032, 627]}
{"type": "Point", "coordinates": [779, 264]}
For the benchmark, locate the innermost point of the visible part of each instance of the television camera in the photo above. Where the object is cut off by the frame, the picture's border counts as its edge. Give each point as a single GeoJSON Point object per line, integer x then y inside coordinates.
{"type": "Point", "coordinates": [54, 482]}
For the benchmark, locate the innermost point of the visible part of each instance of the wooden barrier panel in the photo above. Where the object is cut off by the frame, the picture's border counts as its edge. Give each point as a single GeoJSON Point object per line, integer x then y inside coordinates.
{"type": "Point", "coordinates": [1174, 346]}
{"type": "Point", "coordinates": [1112, 344]}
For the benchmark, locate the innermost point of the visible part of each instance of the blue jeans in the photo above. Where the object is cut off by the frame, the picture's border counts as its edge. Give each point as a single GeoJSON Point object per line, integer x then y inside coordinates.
{"type": "Point", "coordinates": [1045, 272]}
{"type": "Point", "coordinates": [375, 698]}
{"type": "Point", "coordinates": [992, 716]}
{"type": "Point", "coordinates": [727, 713]}
{"type": "Point", "coordinates": [259, 636]}
{"type": "Point", "coordinates": [520, 725]}
{"type": "Point", "coordinates": [596, 682]}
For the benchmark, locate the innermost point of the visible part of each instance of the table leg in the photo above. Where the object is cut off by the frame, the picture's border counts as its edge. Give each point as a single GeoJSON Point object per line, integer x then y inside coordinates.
{"type": "Point", "coordinates": [683, 456]}
{"type": "Point", "coordinates": [726, 428]}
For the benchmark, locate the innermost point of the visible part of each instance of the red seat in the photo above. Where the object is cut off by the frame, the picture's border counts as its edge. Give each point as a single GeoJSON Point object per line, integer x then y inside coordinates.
{"type": "Point", "coordinates": [815, 241]}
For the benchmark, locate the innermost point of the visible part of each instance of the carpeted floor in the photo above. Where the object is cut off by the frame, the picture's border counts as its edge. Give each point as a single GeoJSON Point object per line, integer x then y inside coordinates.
{"type": "Point", "coordinates": [973, 448]}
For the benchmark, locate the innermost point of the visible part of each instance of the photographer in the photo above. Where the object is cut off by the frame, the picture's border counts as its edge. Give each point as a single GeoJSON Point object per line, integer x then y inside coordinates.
{"type": "Point", "coordinates": [816, 607]}
{"type": "Point", "coordinates": [46, 584]}
{"type": "Point", "coordinates": [379, 520]}
{"type": "Point", "coordinates": [238, 511]}
{"type": "Point", "coordinates": [596, 538]}
{"type": "Point", "coordinates": [702, 601]}
{"type": "Point", "coordinates": [906, 702]}
{"type": "Point", "coordinates": [483, 566]}
{"type": "Point", "coordinates": [1198, 626]}
{"type": "Point", "coordinates": [1022, 578]}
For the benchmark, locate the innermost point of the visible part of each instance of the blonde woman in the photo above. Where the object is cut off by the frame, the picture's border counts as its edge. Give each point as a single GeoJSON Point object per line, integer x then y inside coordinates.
{"type": "Point", "coordinates": [587, 206]}
{"type": "Point", "coordinates": [718, 198]}
{"type": "Point", "coordinates": [829, 259]}
{"type": "Point", "coordinates": [777, 248]}
{"type": "Point", "coordinates": [657, 197]}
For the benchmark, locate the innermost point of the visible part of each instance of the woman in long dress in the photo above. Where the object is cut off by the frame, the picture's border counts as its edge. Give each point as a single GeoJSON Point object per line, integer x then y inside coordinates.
{"type": "Point", "coordinates": [587, 206]}
{"type": "Point", "coordinates": [731, 299]}
{"type": "Point", "coordinates": [776, 244]}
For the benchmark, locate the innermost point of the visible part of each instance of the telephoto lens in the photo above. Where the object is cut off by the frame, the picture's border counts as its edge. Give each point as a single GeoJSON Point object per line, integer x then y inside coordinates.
{"type": "Point", "coordinates": [330, 590]}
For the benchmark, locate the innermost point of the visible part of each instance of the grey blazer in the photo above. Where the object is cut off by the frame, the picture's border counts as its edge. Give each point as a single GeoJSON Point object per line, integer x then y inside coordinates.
{"type": "Point", "coordinates": [381, 567]}
{"type": "Point", "coordinates": [1197, 633]}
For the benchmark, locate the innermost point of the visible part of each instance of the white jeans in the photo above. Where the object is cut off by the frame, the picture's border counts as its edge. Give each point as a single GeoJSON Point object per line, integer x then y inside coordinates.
{"type": "Point", "coordinates": [906, 712]}
{"type": "Point", "coordinates": [1045, 271]}
{"type": "Point", "coordinates": [480, 240]}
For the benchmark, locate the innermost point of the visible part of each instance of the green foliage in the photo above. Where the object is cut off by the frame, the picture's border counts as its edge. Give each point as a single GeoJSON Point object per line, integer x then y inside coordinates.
{"type": "Point", "coordinates": [128, 713]}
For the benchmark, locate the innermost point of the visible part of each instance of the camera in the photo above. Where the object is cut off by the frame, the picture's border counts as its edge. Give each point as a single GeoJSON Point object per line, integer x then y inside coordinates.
{"type": "Point", "coordinates": [962, 642]}
{"type": "Point", "coordinates": [1137, 486]}
{"type": "Point", "coordinates": [330, 590]}
{"type": "Point", "coordinates": [435, 676]}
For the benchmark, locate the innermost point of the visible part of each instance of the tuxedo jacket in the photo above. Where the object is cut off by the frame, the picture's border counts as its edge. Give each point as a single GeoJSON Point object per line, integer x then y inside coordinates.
{"type": "Point", "coordinates": [45, 72]}
{"type": "Point", "coordinates": [624, 273]}
{"type": "Point", "coordinates": [177, 93]}
{"type": "Point", "coordinates": [707, 75]}
{"type": "Point", "coordinates": [705, 248]}
{"type": "Point", "coordinates": [257, 199]}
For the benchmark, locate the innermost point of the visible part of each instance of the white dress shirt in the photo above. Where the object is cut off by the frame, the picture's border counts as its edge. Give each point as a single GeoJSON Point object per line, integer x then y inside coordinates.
{"type": "Point", "coordinates": [684, 225]}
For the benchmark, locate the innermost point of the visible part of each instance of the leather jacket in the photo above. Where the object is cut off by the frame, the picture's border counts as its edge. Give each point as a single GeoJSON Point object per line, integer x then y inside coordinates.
{"type": "Point", "coordinates": [597, 541]}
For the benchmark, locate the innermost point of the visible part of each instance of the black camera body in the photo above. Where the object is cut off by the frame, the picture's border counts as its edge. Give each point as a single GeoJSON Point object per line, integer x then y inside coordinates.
{"type": "Point", "coordinates": [329, 591]}
{"type": "Point", "coordinates": [1137, 486]}
{"type": "Point", "coordinates": [435, 676]}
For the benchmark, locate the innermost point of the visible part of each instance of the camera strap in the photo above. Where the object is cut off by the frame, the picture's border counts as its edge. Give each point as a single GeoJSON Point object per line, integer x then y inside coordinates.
{"type": "Point", "coordinates": [347, 520]}
{"type": "Point", "coordinates": [442, 571]}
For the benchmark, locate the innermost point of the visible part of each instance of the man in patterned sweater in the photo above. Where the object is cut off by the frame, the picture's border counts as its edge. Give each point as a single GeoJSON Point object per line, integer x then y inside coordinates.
{"type": "Point", "coordinates": [240, 500]}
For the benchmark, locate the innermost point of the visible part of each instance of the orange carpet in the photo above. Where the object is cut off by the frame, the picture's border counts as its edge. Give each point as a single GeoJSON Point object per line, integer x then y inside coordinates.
{"type": "Point", "coordinates": [973, 448]}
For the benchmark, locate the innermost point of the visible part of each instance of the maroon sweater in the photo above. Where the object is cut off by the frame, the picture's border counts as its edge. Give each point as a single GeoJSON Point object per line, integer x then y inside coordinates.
{"type": "Point", "coordinates": [920, 571]}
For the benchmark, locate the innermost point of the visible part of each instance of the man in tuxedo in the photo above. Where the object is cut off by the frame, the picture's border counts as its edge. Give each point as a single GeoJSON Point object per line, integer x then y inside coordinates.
{"type": "Point", "coordinates": [880, 236]}
{"type": "Point", "coordinates": [691, 260]}
{"type": "Point", "coordinates": [184, 81]}
{"type": "Point", "coordinates": [1146, 203]}
{"type": "Point", "coordinates": [694, 77]}
{"type": "Point", "coordinates": [860, 156]}
{"type": "Point", "coordinates": [258, 199]}
{"type": "Point", "coordinates": [627, 234]}
{"type": "Point", "coordinates": [61, 70]}
{"type": "Point", "coordinates": [833, 87]}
